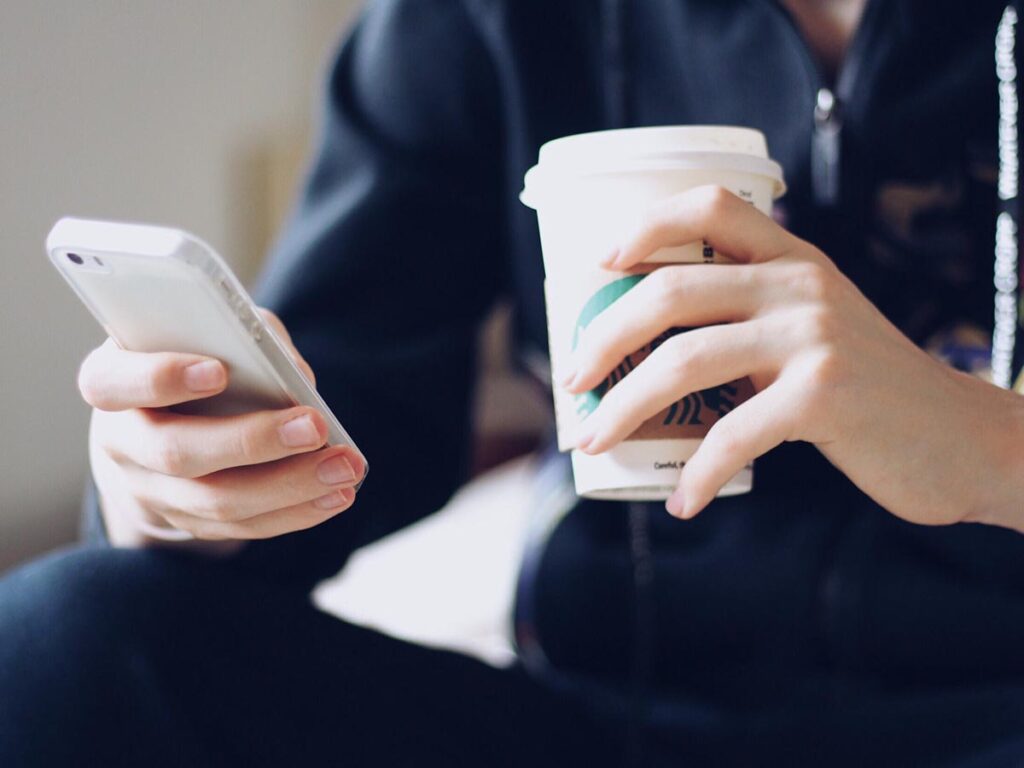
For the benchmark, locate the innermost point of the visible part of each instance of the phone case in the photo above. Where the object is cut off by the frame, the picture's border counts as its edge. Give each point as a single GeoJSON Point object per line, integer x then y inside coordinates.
{"type": "Point", "coordinates": [158, 289]}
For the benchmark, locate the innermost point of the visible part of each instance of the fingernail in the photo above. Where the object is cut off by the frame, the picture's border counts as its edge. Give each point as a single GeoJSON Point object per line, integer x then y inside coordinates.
{"type": "Point", "coordinates": [299, 433]}
{"type": "Point", "coordinates": [584, 442]}
{"type": "Point", "coordinates": [204, 376]}
{"type": "Point", "coordinates": [676, 505]}
{"type": "Point", "coordinates": [568, 380]}
{"type": "Point", "coordinates": [335, 471]}
{"type": "Point", "coordinates": [331, 500]}
{"type": "Point", "coordinates": [610, 258]}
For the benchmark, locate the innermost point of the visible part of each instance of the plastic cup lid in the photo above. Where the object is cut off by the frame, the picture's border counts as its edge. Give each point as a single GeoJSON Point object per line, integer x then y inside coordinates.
{"type": "Point", "coordinates": [699, 147]}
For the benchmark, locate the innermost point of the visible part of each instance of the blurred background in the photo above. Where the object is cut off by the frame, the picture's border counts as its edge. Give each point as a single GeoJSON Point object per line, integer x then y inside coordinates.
{"type": "Point", "coordinates": [195, 114]}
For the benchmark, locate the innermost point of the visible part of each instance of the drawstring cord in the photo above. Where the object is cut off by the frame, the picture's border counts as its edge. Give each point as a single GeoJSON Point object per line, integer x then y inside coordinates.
{"type": "Point", "coordinates": [643, 629]}
{"type": "Point", "coordinates": [617, 116]}
{"type": "Point", "coordinates": [1006, 276]}
{"type": "Point", "coordinates": [613, 38]}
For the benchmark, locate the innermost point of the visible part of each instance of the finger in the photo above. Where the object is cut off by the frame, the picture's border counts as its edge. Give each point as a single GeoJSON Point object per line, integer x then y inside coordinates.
{"type": "Point", "coordinates": [268, 525]}
{"type": "Point", "coordinates": [668, 297]}
{"type": "Point", "coordinates": [194, 446]}
{"type": "Point", "coordinates": [278, 327]}
{"type": "Point", "coordinates": [728, 224]}
{"type": "Point", "coordinates": [275, 323]}
{"type": "Point", "coordinates": [114, 379]}
{"type": "Point", "coordinates": [751, 430]}
{"type": "Point", "coordinates": [689, 362]}
{"type": "Point", "coordinates": [234, 495]}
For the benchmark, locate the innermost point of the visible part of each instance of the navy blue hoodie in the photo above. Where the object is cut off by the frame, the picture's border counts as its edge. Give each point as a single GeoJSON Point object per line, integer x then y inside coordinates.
{"type": "Point", "coordinates": [409, 230]}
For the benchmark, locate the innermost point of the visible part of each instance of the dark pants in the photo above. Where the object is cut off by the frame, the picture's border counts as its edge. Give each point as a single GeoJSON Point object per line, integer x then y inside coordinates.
{"type": "Point", "coordinates": [112, 657]}
{"type": "Point", "coordinates": [115, 657]}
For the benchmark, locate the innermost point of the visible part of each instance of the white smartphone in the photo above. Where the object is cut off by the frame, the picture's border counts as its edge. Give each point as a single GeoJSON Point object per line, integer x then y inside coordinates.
{"type": "Point", "coordinates": [157, 289]}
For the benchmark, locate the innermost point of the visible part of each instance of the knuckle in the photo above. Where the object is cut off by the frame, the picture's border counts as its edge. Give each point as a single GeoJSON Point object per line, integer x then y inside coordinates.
{"type": "Point", "coordinates": [92, 395]}
{"type": "Point", "coordinates": [821, 327]}
{"type": "Point", "coordinates": [147, 503]}
{"type": "Point", "coordinates": [169, 456]}
{"type": "Point", "coordinates": [215, 505]}
{"type": "Point", "coordinates": [222, 511]}
{"type": "Point", "coordinates": [85, 382]}
{"type": "Point", "coordinates": [666, 286]}
{"type": "Point", "coordinates": [103, 445]}
{"type": "Point", "coordinates": [813, 281]}
{"type": "Point", "coordinates": [247, 446]}
{"type": "Point", "coordinates": [682, 356]}
{"type": "Point", "coordinates": [294, 483]}
{"type": "Point", "coordinates": [725, 439]}
{"type": "Point", "coordinates": [655, 222]}
{"type": "Point", "coordinates": [606, 408]}
{"type": "Point", "coordinates": [828, 372]}
{"type": "Point", "coordinates": [160, 378]}
{"type": "Point", "coordinates": [612, 410]}
{"type": "Point", "coordinates": [603, 346]}
{"type": "Point", "coordinates": [655, 215]}
{"type": "Point", "coordinates": [714, 200]}
{"type": "Point", "coordinates": [692, 347]}
{"type": "Point", "coordinates": [88, 385]}
{"type": "Point", "coordinates": [164, 513]}
{"type": "Point", "coordinates": [209, 533]}
{"type": "Point", "coordinates": [595, 332]}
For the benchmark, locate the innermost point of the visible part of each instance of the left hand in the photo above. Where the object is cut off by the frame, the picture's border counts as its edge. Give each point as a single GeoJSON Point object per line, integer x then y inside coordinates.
{"type": "Point", "coordinates": [827, 366]}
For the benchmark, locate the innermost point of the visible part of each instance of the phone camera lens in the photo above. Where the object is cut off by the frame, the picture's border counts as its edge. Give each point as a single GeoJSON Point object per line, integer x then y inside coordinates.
{"type": "Point", "coordinates": [74, 258]}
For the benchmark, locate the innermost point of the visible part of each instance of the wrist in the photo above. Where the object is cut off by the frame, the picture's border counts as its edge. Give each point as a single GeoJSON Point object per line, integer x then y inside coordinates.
{"type": "Point", "coordinates": [999, 484]}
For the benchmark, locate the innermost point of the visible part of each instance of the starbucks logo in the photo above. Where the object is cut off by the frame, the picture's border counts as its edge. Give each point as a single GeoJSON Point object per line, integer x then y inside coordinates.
{"type": "Point", "coordinates": [587, 402]}
{"type": "Point", "coordinates": [691, 409]}
{"type": "Point", "coordinates": [698, 408]}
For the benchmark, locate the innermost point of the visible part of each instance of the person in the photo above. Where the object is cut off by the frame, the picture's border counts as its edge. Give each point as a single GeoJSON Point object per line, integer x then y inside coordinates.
{"type": "Point", "coordinates": [864, 605]}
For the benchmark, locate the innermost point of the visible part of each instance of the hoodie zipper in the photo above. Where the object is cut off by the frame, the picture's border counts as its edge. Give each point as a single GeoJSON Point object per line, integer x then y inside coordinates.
{"type": "Point", "coordinates": [827, 115]}
{"type": "Point", "coordinates": [826, 148]}
{"type": "Point", "coordinates": [826, 158]}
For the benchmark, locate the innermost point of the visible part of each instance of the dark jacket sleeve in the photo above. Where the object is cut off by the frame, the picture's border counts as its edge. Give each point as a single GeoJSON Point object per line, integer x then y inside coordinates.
{"type": "Point", "coordinates": [390, 260]}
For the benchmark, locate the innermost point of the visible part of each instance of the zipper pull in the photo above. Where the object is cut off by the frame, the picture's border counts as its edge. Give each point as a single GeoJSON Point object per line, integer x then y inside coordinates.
{"type": "Point", "coordinates": [825, 149]}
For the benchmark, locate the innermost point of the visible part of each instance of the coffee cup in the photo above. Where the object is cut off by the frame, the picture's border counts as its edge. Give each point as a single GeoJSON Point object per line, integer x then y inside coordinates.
{"type": "Point", "coordinates": [589, 190]}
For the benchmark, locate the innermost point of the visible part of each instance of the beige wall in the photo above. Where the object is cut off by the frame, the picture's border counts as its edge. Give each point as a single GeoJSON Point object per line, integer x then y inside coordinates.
{"type": "Point", "coordinates": [131, 109]}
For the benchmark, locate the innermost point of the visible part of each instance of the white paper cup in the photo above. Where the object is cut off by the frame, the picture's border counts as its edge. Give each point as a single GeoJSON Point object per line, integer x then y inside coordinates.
{"type": "Point", "coordinates": [589, 190]}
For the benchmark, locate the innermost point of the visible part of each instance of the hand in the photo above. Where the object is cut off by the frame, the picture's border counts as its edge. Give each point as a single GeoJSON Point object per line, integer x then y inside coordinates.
{"type": "Point", "coordinates": [929, 444]}
{"type": "Point", "coordinates": [166, 476]}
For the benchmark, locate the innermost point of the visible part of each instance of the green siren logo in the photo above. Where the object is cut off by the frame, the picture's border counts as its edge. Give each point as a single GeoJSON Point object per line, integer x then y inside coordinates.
{"type": "Point", "coordinates": [690, 410]}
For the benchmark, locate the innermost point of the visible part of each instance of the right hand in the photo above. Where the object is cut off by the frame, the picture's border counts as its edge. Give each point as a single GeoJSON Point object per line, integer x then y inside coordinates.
{"type": "Point", "coordinates": [165, 476]}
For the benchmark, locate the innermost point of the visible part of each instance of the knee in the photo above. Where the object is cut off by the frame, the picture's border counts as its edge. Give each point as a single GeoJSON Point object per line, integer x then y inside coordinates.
{"type": "Point", "coordinates": [73, 627]}
{"type": "Point", "coordinates": [86, 605]}
{"type": "Point", "coordinates": [81, 633]}
{"type": "Point", "coordinates": [53, 611]}
{"type": "Point", "coordinates": [81, 593]}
